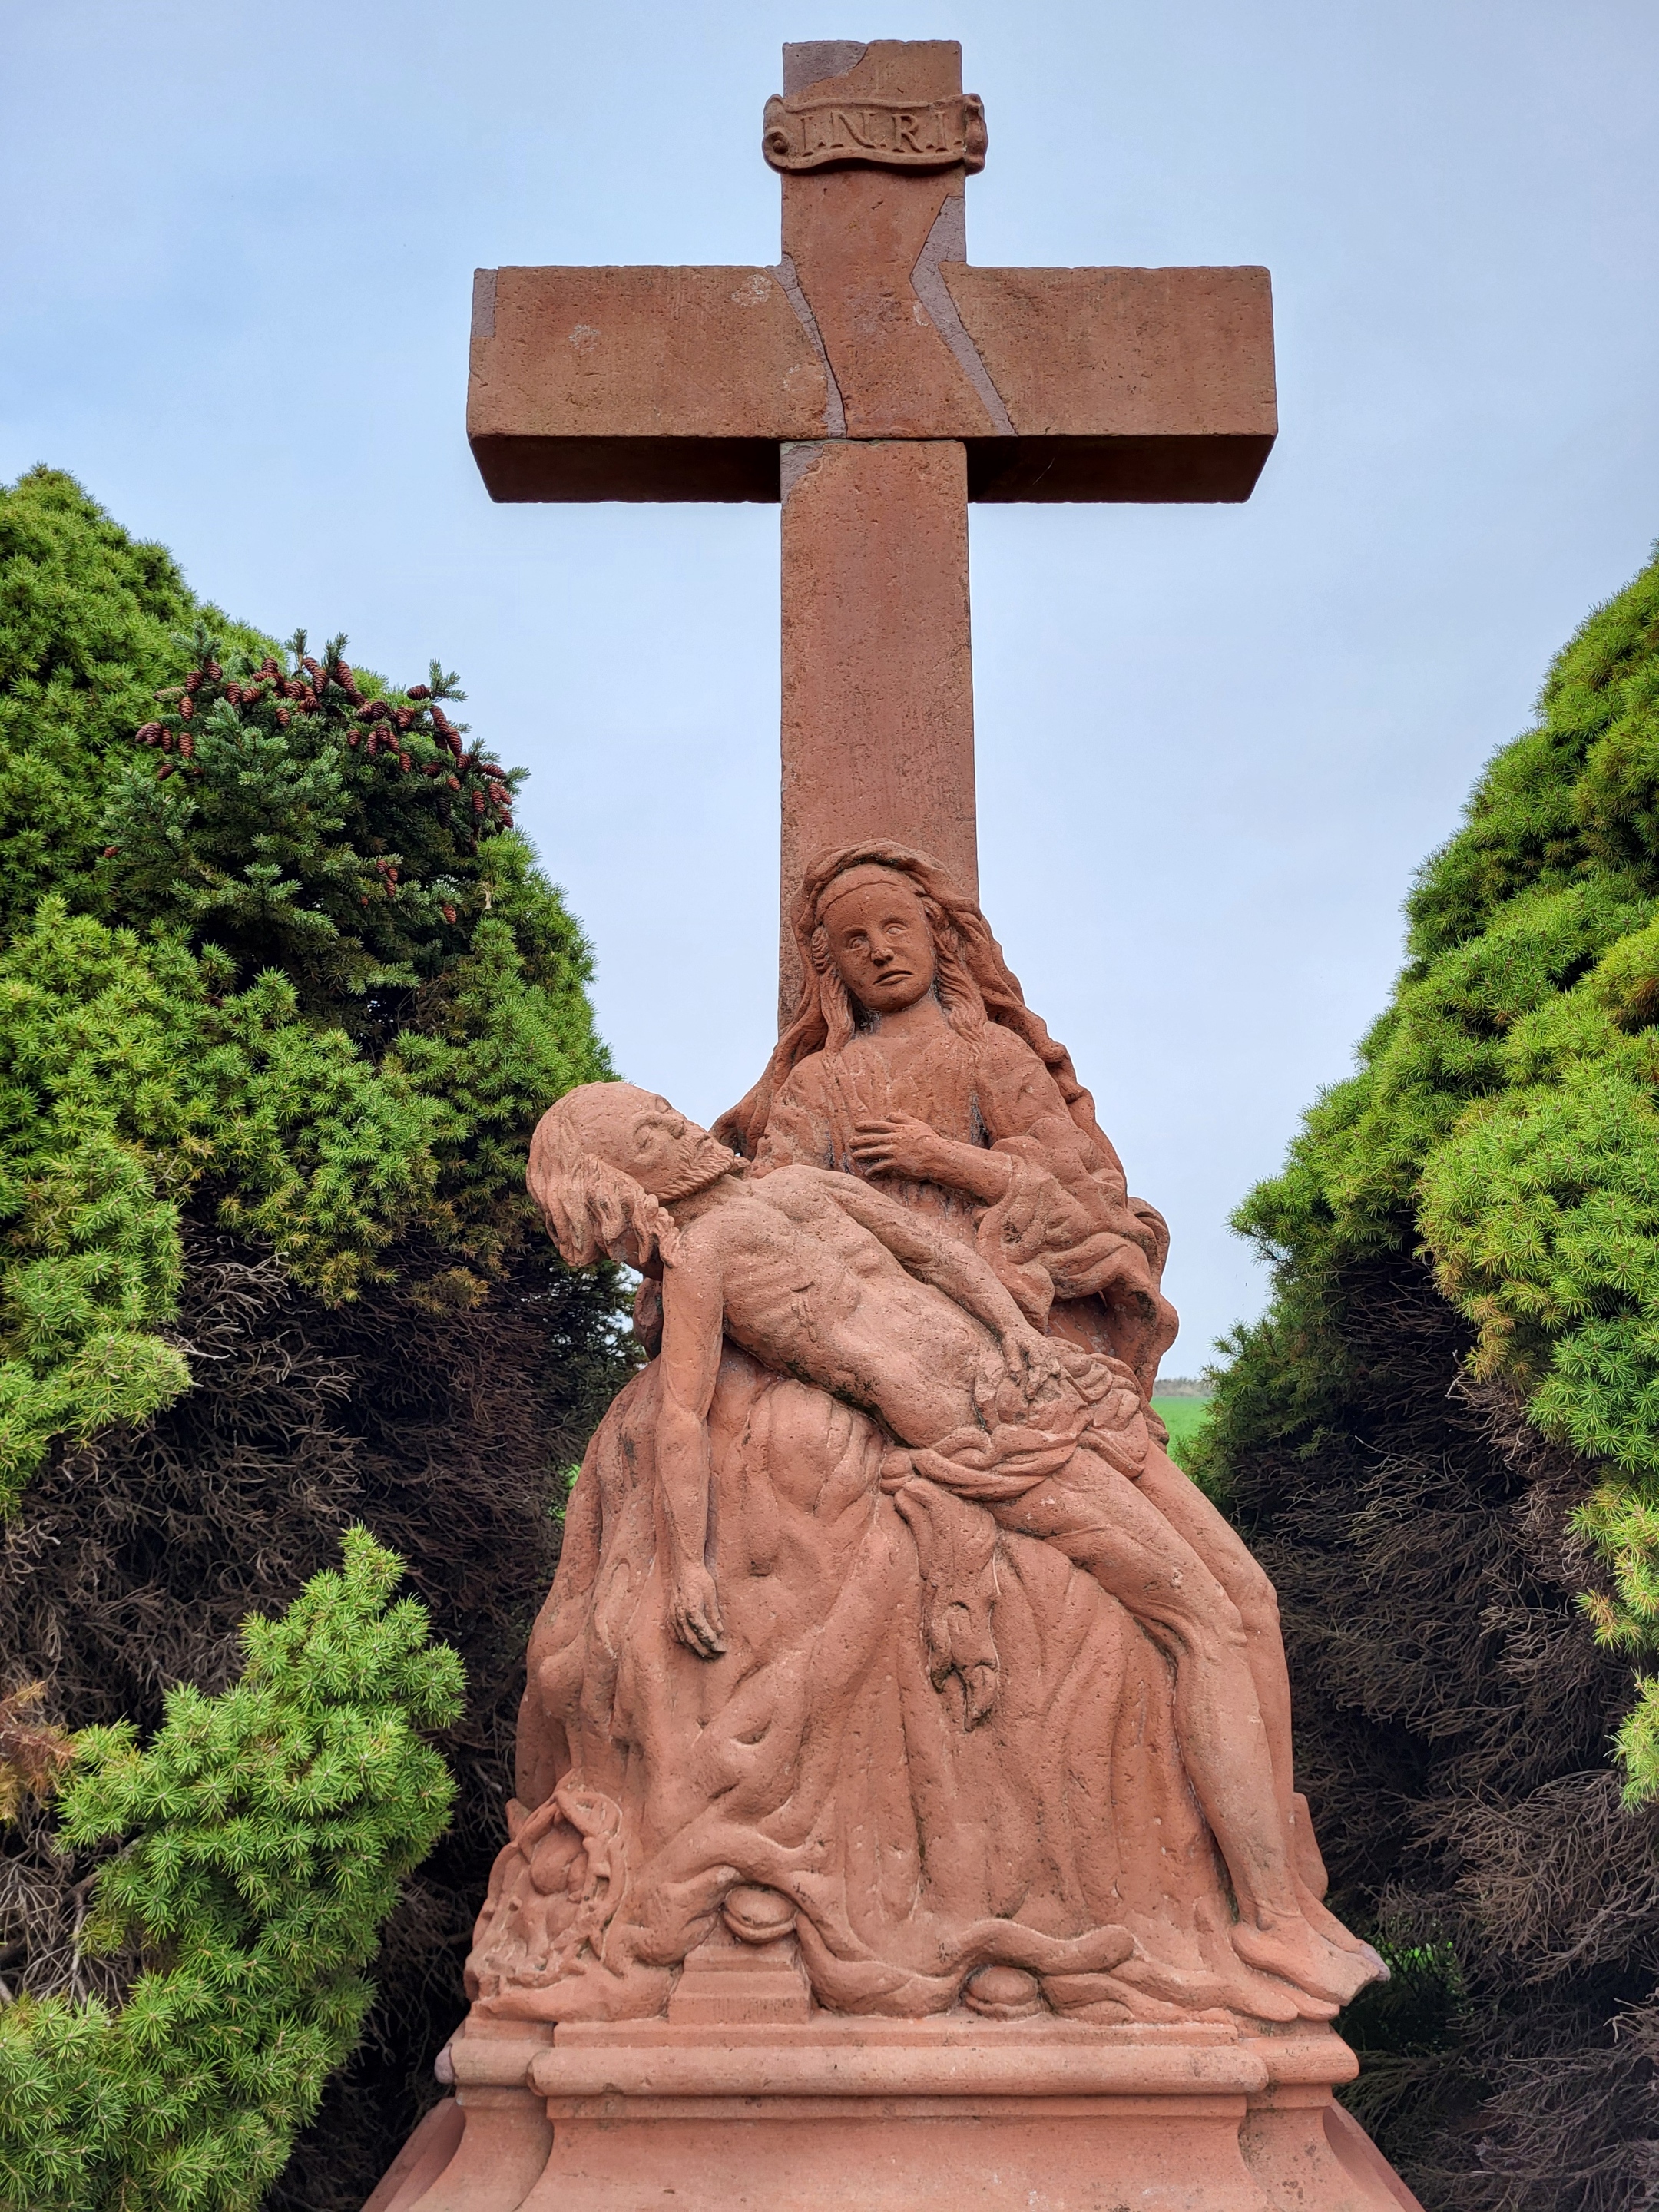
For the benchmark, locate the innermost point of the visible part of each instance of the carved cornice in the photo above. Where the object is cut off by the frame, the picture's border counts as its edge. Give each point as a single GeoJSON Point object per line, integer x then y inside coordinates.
{"type": "Point", "coordinates": [804, 132]}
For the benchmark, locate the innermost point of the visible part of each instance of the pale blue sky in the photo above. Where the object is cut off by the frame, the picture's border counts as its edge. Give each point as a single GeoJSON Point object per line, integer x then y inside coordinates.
{"type": "Point", "coordinates": [1214, 743]}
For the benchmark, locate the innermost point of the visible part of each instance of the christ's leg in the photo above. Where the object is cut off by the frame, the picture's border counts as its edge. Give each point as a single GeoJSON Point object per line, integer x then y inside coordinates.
{"type": "Point", "coordinates": [1099, 1519]}
{"type": "Point", "coordinates": [1229, 1558]}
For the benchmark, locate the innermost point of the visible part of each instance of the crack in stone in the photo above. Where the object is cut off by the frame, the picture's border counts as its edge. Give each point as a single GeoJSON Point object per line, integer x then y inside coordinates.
{"type": "Point", "coordinates": [948, 241]}
{"type": "Point", "coordinates": [809, 61]}
{"type": "Point", "coordinates": [795, 456]}
{"type": "Point", "coordinates": [835, 414]}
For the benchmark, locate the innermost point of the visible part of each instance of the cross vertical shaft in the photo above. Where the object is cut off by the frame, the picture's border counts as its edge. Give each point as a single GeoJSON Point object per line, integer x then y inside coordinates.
{"type": "Point", "coordinates": [877, 722]}
{"type": "Point", "coordinates": [877, 703]}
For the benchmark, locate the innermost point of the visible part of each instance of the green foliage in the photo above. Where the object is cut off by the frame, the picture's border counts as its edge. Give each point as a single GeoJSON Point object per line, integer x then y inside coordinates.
{"type": "Point", "coordinates": [304, 820]}
{"type": "Point", "coordinates": [1503, 1118]}
{"type": "Point", "coordinates": [264, 1834]}
{"type": "Point", "coordinates": [283, 992]}
{"type": "Point", "coordinates": [1403, 2027]}
{"type": "Point", "coordinates": [125, 1080]}
{"type": "Point", "coordinates": [315, 979]}
{"type": "Point", "coordinates": [87, 623]}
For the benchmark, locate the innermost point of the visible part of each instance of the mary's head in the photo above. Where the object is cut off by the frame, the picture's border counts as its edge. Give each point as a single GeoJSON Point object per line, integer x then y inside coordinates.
{"type": "Point", "coordinates": [877, 926]}
{"type": "Point", "coordinates": [878, 938]}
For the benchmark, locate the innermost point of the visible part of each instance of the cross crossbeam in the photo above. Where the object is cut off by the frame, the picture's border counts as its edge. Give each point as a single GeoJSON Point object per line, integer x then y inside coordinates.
{"type": "Point", "coordinates": [874, 382]}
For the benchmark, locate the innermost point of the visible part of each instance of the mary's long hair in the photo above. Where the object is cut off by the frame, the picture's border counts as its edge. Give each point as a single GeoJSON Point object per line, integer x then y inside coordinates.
{"type": "Point", "coordinates": [975, 985]}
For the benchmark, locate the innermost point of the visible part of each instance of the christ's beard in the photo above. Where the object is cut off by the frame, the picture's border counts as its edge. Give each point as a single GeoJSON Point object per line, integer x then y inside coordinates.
{"type": "Point", "coordinates": [707, 1165]}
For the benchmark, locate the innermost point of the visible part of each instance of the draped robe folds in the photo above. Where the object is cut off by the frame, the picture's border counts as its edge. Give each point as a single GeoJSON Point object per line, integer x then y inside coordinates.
{"type": "Point", "coordinates": [933, 1784]}
{"type": "Point", "coordinates": [818, 1759]}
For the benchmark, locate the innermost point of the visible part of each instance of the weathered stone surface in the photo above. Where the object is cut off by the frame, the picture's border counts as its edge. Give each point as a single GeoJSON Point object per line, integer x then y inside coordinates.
{"type": "Point", "coordinates": [877, 672]}
{"type": "Point", "coordinates": [661, 384]}
{"type": "Point", "coordinates": [903, 1729]}
{"type": "Point", "coordinates": [1122, 384]}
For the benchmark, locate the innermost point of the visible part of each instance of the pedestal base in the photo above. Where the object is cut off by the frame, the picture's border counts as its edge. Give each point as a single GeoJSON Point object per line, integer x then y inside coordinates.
{"type": "Point", "coordinates": [890, 2116]}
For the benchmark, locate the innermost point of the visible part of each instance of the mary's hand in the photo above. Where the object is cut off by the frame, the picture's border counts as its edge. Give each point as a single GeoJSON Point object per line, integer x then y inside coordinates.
{"type": "Point", "coordinates": [901, 1144]}
{"type": "Point", "coordinates": [694, 1606]}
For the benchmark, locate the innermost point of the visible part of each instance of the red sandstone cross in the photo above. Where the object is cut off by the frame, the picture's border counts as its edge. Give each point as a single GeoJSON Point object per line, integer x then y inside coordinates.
{"type": "Point", "coordinates": [875, 382]}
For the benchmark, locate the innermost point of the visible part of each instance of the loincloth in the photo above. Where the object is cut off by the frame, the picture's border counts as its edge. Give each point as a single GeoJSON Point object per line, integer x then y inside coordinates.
{"type": "Point", "coordinates": [1092, 1411]}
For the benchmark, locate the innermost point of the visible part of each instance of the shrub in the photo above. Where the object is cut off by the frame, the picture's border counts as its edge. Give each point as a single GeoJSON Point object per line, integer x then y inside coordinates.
{"type": "Point", "coordinates": [260, 1840]}
{"type": "Point", "coordinates": [275, 1033]}
{"type": "Point", "coordinates": [1443, 1438]}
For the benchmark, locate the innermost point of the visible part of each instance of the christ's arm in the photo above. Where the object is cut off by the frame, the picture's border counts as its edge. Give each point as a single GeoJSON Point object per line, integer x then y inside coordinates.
{"type": "Point", "coordinates": [956, 1269]}
{"type": "Point", "coordinates": [692, 1321]}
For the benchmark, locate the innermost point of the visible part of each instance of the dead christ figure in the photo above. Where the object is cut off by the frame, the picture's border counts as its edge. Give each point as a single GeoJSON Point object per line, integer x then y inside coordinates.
{"type": "Point", "coordinates": [817, 1276]}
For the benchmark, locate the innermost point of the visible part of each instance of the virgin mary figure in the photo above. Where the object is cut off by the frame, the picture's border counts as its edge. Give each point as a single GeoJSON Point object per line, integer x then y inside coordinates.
{"type": "Point", "coordinates": [914, 1060]}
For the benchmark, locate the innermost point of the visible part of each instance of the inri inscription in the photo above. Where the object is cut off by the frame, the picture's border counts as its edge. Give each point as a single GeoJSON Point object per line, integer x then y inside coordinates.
{"type": "Point", "coordinates": [800, 133]}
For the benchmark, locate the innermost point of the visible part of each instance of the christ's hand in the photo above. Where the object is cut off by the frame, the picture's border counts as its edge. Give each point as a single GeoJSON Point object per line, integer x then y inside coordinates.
{"type": "Point", "coordinates": [694, 1606]}
{"type": "Point", "coordinates": [1031, 1356]}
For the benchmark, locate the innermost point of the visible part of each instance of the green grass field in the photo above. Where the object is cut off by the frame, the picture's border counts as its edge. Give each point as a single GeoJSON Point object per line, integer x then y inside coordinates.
{"type": "Point", "coordinates": [1182, 1417]}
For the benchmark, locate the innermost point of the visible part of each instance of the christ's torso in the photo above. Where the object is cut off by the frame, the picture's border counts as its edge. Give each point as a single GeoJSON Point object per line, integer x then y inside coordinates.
{"type": "Point", "coordinates": [813, 1293]}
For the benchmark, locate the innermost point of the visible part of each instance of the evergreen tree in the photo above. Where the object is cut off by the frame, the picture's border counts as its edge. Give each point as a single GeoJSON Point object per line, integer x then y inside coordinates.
{"type": "Point", "coordinates": [271, 1044]}
{"type": "Point", "coordinates": [1444, 1440]}
{"type": "Point", "coordinates": [90, 623]}
{"type": "Point", "coordinates": [259, 1841]}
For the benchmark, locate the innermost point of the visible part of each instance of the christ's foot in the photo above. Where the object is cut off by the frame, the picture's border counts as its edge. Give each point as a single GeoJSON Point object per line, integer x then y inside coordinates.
{"type": "Point", "coordinates": [1323, 1922]}
{"type": "Point", "coordinates": [1290, 1949]}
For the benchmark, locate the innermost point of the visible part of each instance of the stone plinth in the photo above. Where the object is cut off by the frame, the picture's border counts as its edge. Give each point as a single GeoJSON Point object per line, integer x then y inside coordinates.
{"type": "Point", "coordinates": [894, 2116]}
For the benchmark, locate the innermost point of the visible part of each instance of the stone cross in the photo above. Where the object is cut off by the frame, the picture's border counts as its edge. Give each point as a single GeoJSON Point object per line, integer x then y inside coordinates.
{"type": "Point", "coordinates": [874, 382]}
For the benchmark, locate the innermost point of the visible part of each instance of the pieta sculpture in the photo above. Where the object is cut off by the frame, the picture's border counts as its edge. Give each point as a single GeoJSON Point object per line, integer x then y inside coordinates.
{"type": "Point", "coordinates": [884, 1616]}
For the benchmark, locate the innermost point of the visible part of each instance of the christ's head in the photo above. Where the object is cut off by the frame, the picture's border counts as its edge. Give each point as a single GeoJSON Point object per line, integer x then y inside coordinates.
{"type": "Point", "coordinates": [603, 1163]}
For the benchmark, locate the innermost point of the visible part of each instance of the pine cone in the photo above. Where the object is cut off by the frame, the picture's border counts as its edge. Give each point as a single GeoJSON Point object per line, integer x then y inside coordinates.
{"type": "Point", "coordinates": [421, 692]}
{"type": "Point", "coordinates": [477, 802]}
{"type": "Point", "coordinates": [164, 771]}
{"type": "Point", "coordinates": [149, 734]}
{"type": "Point", "coordinates": [234, 694]}
{"type": "Point", "coordinates": [453, 781]}
{"type": "Point", "coordinates": [187, 747]}
{"type": "Point", "coordinates": [215, 671]}
{"type": "Point", "coordinates": [404, 718]}
{"type": "Point", "coordinates": [193, 681]}
{"type": "Point", "coordinates": [283, 718]}
{"type": "Point", "coordinates": [448, 911]}
{"type": "Point", "coordinates": [111, 851]}
{"type": "Point", "coordinates": [405, 762]}
{"type": "Point", "coordinates": [186, 706]}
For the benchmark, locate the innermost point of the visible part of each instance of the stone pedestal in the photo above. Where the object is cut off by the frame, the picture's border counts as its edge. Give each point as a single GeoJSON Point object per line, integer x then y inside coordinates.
{"type": "Point", "coordinates": [830, 2114]}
